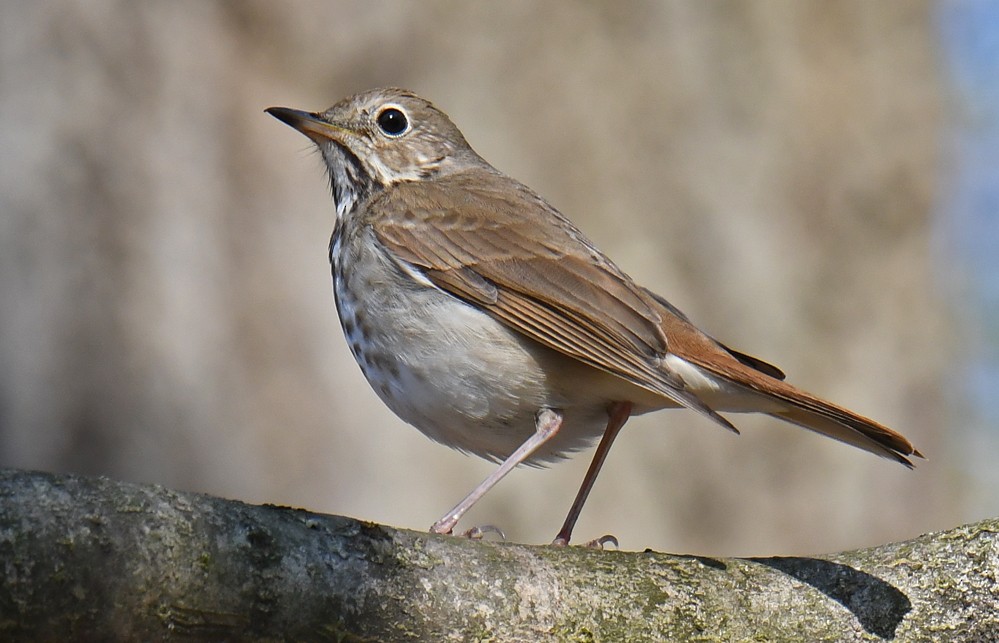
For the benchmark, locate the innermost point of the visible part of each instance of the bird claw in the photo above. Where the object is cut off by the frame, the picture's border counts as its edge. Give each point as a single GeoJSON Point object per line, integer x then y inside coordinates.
{"type": "Point", "coordinates": [476, 533]}
{"type": "Point", "coordinates": [598, 543]}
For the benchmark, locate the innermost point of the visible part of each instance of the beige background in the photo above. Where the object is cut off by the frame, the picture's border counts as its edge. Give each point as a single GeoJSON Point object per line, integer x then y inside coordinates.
{"type": "Point", "coordinates": [770, 167]}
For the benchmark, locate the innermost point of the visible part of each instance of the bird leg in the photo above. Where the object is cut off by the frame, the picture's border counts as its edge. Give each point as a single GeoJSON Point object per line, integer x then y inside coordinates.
{"type": "Point", "coordinates": [547, 424]}
{"type": "Point", "coordinates": [619, 414]}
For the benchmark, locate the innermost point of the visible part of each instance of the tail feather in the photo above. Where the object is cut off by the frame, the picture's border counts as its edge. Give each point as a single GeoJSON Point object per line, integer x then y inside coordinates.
{"type": "Point", "coordinates": [855, 431]}
{"type": "Point", "coordinates": [716, 372]}
{"type": "Point", "coordinates": [813, 413]}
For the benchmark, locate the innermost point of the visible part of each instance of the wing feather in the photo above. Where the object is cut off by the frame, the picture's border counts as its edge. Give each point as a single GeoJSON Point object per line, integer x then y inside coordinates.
{"type": "Point", "coordinates": [490, 241]}
{"type": "Point", "coordinates": [486, 244]}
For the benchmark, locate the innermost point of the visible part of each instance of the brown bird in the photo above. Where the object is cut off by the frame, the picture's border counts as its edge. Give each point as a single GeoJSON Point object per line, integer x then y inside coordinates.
{"type": "Point", "coordinates": [483, 316]}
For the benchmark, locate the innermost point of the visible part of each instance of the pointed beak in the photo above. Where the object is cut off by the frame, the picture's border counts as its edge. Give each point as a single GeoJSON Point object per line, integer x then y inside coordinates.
{"type": "Point", "coordinates": [308, 123]}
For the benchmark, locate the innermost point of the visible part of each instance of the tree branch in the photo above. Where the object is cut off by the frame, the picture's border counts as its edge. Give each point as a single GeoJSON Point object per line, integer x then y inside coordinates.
{"type": "Point", "coordinates": [91, 558]}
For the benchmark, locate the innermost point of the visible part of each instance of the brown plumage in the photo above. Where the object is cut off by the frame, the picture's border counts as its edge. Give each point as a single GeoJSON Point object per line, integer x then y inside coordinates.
{"type": "Point", "coordinates": [567, 295]}
{"type": "Point", "coordinates": [483, 316]}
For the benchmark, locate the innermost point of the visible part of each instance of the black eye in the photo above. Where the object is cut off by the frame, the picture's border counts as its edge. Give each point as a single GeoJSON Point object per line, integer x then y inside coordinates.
{"type": "Point", "coordinates": [392, 121]}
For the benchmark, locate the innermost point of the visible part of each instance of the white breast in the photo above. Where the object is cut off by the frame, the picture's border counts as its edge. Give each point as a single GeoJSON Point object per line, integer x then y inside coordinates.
{"type": "Point", "coordinates": [448, 368]}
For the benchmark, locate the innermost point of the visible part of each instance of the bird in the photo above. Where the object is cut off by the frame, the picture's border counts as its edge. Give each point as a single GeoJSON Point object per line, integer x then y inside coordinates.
{"type": "Point", "coordinates": [484, 317]}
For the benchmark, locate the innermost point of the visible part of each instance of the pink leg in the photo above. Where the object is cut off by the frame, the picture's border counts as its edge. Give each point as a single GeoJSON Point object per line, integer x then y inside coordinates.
{"type": "Point", "coordinates": [619, 414]}
{"type": "Point", "coordinates": [546, 426]}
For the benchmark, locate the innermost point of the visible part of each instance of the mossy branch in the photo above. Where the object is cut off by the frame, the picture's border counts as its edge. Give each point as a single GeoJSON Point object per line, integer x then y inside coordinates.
{"type": "Point", "coordinates": [92, 558]}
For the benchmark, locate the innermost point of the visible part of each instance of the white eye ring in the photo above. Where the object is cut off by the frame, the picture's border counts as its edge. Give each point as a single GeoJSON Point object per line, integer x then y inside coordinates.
{"type": "Point", "coordinates": [392, 121]}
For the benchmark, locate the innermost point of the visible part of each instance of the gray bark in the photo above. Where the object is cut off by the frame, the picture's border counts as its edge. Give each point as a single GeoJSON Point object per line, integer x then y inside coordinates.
{"type": "Point", "coordinates": [95, 559]}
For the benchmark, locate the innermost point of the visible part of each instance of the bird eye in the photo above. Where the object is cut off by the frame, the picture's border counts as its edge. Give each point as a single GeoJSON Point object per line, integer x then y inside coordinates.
{"type": "Point", "coordinates": [392, 121]}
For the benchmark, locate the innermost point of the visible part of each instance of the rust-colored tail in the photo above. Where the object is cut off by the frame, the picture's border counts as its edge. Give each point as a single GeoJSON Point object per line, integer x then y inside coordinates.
{"type": "Point", "coordinates": [846, 426]}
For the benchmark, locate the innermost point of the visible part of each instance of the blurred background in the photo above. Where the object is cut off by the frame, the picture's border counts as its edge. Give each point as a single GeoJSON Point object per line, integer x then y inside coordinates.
{"type": "Point", "coordinates": [814, 183]}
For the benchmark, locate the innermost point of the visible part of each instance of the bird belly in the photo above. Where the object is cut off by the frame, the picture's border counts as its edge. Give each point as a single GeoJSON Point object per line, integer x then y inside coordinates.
{"type": "Point", "coordinates": [455, 373]}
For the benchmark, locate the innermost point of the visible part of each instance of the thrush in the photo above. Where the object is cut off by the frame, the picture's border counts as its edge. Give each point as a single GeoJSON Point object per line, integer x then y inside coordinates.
{"type": "Point", "coordinates": [486, 319]}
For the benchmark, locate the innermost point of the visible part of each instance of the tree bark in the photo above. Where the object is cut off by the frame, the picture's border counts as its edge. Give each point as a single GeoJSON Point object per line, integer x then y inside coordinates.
{"type": "Point", "coordinates": [95, 559]}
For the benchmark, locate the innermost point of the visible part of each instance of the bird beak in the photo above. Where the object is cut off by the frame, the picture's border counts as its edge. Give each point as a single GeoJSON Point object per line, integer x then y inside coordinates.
{"type": "Point", "coordinates": [308, 123]}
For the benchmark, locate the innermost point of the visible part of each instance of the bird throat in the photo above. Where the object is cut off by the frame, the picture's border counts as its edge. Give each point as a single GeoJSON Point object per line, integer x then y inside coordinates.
{"type": "Point", "coordinates": [350, 182]}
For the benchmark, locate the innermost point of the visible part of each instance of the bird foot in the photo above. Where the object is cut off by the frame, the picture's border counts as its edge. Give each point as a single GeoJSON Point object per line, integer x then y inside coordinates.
{"type": "Point", "coordinates": [597, 543]}
{"type": "Point", "coordinates": [476, 533]}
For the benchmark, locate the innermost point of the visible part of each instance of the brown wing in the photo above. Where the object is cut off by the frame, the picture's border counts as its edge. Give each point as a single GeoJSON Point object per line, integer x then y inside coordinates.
{"type": "Point", "coordinates": [753, 362]}
{"type": "Point", "coordinates": [491, 241]}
